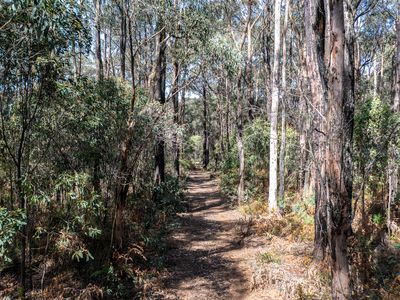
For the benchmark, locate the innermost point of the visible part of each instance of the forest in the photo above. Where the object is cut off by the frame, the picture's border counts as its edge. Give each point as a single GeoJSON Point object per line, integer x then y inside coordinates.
{"type": "Point", "coordinates": [199, 149]}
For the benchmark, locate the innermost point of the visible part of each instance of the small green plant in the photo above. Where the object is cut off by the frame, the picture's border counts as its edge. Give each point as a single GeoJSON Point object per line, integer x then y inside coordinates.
{"type": "Point", "coordinates": [268, 257]}
{"type": "Point", "coordinates": [377, 219]}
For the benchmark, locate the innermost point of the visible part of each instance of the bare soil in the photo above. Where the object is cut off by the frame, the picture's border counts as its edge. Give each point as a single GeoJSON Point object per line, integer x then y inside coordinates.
{"type": "Point", "coordinates": [207, 258]}
{"type": "Point", "coordinates": [201, 259]}
{"type": "Point", "coordinates": [213, 255]}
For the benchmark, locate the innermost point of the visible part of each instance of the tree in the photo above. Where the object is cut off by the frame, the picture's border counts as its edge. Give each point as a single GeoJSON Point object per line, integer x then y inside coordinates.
{"type": "Point", "coordinates": [273, 144]}
{"type": "Point", "coordinates": [315, 31]}
{"type": "Point", "coordinates": [99, 60]}
{"type": "Point", "coordinates": [393, 169]}
{"type": "Point", "coordinates": [333, 208]}
{"type": "Point", "coordinates": [339, 187]}
{"type": "Point", "coordinates": [284, 101]}
{"type": "Point", "coordinates": [206, 133]}
{"type": "Point", "coordinates": [27, 83]}
{"type": "Point", "coordinates": [159, 89]}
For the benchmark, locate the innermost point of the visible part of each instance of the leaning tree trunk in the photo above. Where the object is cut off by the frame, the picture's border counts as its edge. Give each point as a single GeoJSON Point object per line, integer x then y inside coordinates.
{"type": "Point", "coordinates": [273, 143]}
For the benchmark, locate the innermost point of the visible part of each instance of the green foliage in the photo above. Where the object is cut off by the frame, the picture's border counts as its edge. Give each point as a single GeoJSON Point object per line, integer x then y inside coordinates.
{"type": "Point", "coordinates": [304, 209]}
{"type": "Point", "coordinates": [268, 257]}
{"type": "Point", "coordinates": [372, 129]}
{"type": "Point", "coordinates": [11, 221]}
{"type": "Point", "coordinates": [378, 219]}
{"type": "Point", "coordinates": [256, 144]}
{"type": "Point", "coordinates": [73, 213]}
{"type": "Point", "coordinates": [193, 149]}
{"type": "Point", "coordinates": [169, 195]}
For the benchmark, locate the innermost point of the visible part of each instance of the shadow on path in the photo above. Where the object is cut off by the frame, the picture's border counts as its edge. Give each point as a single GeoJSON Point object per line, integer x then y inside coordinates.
{"type": "Point", "coordinates": [199, 260]}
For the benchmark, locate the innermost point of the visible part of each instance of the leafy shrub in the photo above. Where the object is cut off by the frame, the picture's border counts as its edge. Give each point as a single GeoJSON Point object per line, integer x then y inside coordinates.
{"type": "Point", "coordinates": [11, 221]}
{"type": "Point", "coordinates": [74, 212]}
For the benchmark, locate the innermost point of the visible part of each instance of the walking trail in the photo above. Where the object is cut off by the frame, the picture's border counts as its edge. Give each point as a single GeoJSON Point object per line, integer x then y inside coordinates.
{"type": "Point", "coordinates": [205, 259]}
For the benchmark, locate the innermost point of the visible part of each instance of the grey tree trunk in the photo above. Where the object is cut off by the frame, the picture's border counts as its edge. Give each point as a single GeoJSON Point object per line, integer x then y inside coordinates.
{"type": "Point", "coordinates": [239, 139]}
{"type": "Point", "coordinates": [273, 144]}
{"type": "Point", "coordinates": [284, 101]}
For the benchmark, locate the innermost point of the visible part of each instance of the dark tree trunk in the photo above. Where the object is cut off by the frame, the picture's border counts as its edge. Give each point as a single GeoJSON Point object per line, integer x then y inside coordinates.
{"type": "Point", "coordinates": [124, 176]}
{"type": "Point", "coordinates": [99, 61]}
{"type": "Point", "coordinates": [175, 99]}
{"type": "Point", "coordinates": [122, 42]}
{"type": "Point", "coordinates": [206, 134]}
{"type": "Point", "coordinates": [159, 95]}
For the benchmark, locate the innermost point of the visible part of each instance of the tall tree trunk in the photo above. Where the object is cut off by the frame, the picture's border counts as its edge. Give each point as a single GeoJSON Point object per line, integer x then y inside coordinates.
{"type": "Point", "coordinates": [122, 41]}
{"type": "Point", "coordinates": [284, 101]}
{"type": "Point", "coordinates": [249, 66]}
{"type": "Point", "coordinates": [393, 169]}
{"type": "Point", "coordinates": [109, 60]}
{"type": "Point", "coordinates": [239, 139]}
{"type": "Point", "coordinates": [221, 124]}
{"type": "Point", "coordinates": [99, 61]}
{"type": "Point", "coordinates": [273, 144]}
{"type": "Point", "coordinates": [124, 175]}
{"type": "Point", "coordinates": [375, 91]}
{"type": "Point", "coordinates": [175, 99]}
{"type": "Point", "coordinates": [305, 185]}
{"type": "Point", "coordinates": [338, 156]}
{"type": "Point", "coordinates": [227, 115]}
{"type": "Point", "coordinates": [315, 32]}
{"type": "Point", "coordinates": [206, 133]}
{"type": "Point", "coordinates": [105, 60]}
{"type": "Point", "coordinates": [22, 206]}
{"type": "Point", "coordinates": [159, 95]}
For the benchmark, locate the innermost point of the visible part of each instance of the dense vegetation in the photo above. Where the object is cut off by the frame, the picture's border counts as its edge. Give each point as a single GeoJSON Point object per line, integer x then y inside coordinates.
{"type": "Point", "coordinates": [105, 107]}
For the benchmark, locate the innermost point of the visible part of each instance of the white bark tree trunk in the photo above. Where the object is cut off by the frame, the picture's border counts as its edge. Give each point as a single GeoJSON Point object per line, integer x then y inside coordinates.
{"type": "Point", "coordinates": [273, 143]}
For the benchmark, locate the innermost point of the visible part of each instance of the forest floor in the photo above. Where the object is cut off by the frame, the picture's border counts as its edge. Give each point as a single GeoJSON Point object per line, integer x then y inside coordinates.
{"type": "Point", "coordinates": [212, 256]}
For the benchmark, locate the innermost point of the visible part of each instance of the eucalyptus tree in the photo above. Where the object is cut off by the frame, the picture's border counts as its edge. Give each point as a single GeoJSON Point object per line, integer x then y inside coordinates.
{"type": "Point", "coordinates": [35, 38]}
{"type": "Point", "coordinates": [393, 168]}
{"type": "Point", "coordinates": [325, 29]}
{"type": "Point", "coordinates": [273, 142]}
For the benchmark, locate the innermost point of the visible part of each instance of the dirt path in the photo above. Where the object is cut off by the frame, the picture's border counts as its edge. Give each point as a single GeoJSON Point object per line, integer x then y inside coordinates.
{"type": "Point", "coordinates": [205, 258]}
